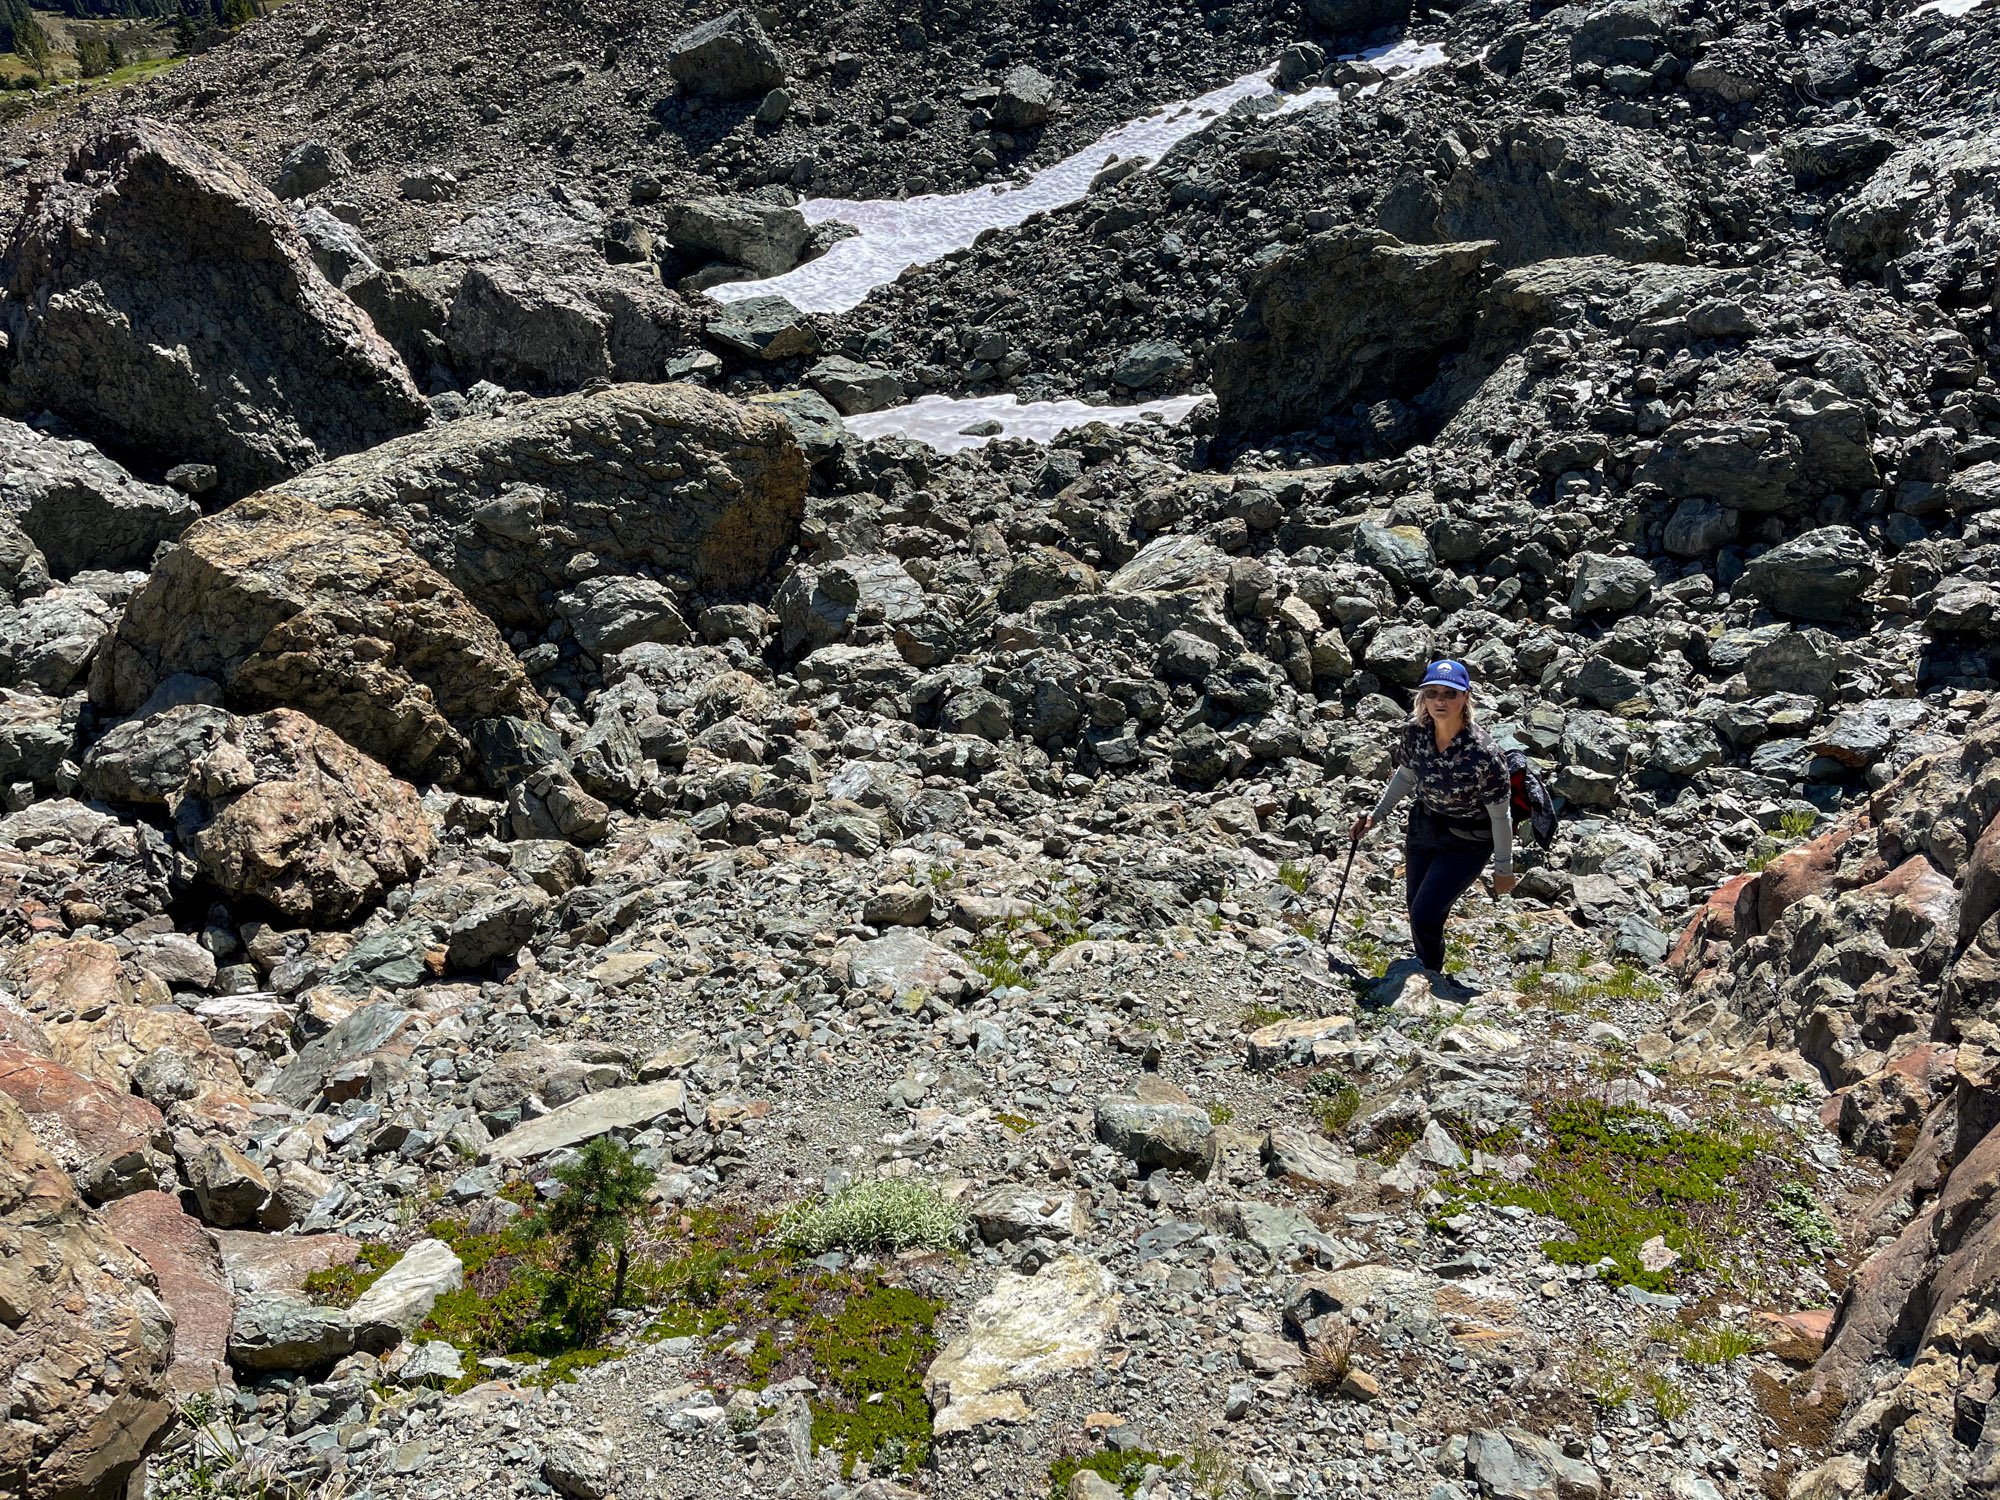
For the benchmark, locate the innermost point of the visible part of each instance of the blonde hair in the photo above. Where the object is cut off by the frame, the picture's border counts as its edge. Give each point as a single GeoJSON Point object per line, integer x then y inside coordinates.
{"type": "Point", "coordinates": [1420, 712]}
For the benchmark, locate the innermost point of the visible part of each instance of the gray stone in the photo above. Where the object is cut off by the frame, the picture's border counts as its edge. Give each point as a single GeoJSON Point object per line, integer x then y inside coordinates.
{"type": "Point", "coordinates": [81, 509]}
{"type": "Point", "coordinates": [1026, 97]}
{"type": "Point", "coordinates": [229, 348]}
{"type": "Point", "coordinates": [748, 232]}
{"type": "Point", "coordinates": [1156, 1133]}
{"type": "Point", "coordinates": [853, 387]}
{"type": "Point", "coordinates": [1610, 585]}
{"type": "Point", "coordinates": [1148, 364]}
{"type": "Point", "coordinates": [731, 57]}
{"type": "Point", "coordinates": [765, 328]}
{"type": "Point", "coordinates": [402, 1296]}
{"type": "Point", "coordinates": [1347, 316]}
{"type": "Point", "coordinates": [587, 1118]}
{"type": "Point", "coordinates": [279, 1331]}
{"type": "Point", "coordinates": [1818, 576]}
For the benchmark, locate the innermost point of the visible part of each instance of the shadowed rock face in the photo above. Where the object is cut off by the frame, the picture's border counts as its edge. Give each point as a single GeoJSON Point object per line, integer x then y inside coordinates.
{"type": "Point", "coordinates": [668, 478]}
{"type": "Point", "coordinates": [163, 302]}
{"type": "Point", "coordinates": [1348, 316]}
{"type": "Point", "coordinates": [287, 604]}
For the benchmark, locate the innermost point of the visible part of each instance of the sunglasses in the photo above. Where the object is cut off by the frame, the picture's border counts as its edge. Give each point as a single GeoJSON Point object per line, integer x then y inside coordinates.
{"type": "Point", "coordinates": [1440, 694]}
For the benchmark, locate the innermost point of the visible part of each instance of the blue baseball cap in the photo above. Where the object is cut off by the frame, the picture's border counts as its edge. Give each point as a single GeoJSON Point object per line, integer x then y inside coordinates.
{"type": "Point", "coordinates": [1451, 674]}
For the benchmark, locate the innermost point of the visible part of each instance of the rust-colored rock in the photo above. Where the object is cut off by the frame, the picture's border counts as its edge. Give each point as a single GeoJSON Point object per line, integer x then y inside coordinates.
{"type": "Point", "coordinates": [1714, 922]}
{"type": "Point", "coordinates": [87, 1344]}
{"type": "Point", "coordinates": [284, 810]}
{"type": "Point", "coordinates": [106, 1139]}
{"type": "Point", "coordinates": [193, 1285]}
{"type": "Point", "coordinates": [287, 605]}
{"type": "Point", "coordinates": [1798, 873]}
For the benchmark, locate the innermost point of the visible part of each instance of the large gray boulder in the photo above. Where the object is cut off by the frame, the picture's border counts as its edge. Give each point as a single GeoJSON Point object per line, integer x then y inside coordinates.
{"type": "Point", "coordinates": [763, 237]}
{"type": "Point", "coordinates": [671, 479]}
{"type": "Point", "coordinates": [1156, 1132]}
{"type": "Point", "coordinates": [81, 509]}
{"type": "Point", "coordinates": [1818, 576]}
{"type": "Point", "coordinates": [1931, 194]}
{"type": "Point", "coordinates": [1547, 188]}
{"type": "Point", "coordinates": [1351, 315]}
{"type": "Point", "coordinates": [164, 304]}
{"type": "Point", "coordinates": [552, 326]}
{"type": "Point", "coordinates": [731, 57]}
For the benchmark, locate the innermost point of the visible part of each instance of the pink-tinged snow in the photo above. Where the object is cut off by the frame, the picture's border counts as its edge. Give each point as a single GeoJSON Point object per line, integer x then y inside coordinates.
{"type": "Point", "coordinates": [939, 421]}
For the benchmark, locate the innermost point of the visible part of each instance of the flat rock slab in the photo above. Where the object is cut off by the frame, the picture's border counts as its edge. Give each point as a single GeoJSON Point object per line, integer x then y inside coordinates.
{"type": "Point", "coordinates": [587, 1118]}
{"type": "Point", "coordinates": [1026, 1329]}
{"type": "Point", "coordinates": [402, 1297]}
{"type": "Point", "coordinates": [193, 1284]}
{"type": "Point", "coordinates": [279, 1262]}
{"type": "Point", "coordinates": [1287, 1041]}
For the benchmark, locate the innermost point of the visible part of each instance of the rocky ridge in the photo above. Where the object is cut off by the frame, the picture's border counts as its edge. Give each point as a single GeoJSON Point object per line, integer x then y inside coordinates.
{"type": "Point", "coordinates": [405, 792]}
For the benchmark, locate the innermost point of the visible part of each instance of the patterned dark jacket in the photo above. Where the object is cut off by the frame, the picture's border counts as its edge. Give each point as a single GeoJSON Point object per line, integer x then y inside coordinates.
{"type": "Point", "coordinates": [1458, 782]}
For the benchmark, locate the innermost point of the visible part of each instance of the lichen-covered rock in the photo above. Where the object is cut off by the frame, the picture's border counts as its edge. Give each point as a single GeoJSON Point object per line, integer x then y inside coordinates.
{"type": "Point", "coordinates": [88, 1343]}
{"type": "Point", "coordinates": [284, 603]}
{"type": "Point", "coordinates": [82, 510]}
{"type": "Point", "coordinates": [671, 478]}
{"type": "Point", "coordinates": [164, 303]}
{"type": "Point", "coordinates": [284, 810]}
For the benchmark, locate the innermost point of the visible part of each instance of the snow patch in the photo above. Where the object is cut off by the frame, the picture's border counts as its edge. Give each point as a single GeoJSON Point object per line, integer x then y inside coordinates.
{"type": "Point", "coordinates": [1948, 7]}
{"type": "Point", "coordinates": [940, 421]}
{"type": "Point", "coordinates": [895, 234]}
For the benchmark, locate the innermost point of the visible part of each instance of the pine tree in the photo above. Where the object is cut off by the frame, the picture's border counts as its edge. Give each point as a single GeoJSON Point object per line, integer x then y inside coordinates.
{"type": "Point", "coordinates": [604, 1192]}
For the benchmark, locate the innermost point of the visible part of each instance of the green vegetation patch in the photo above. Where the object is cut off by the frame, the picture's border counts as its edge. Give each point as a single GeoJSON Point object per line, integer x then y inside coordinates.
{"type": "Point", "coordinates": [766, 1313]}
{"type": "Point", "coordinates": [1339, 1100]}
{"type": "Point", "coordinates": [342, 1286]}
{"type": "Point", "coordinates": [1125, 1470]}
{"type": "Point", "coordinates": [889, 1213]}
{"type": "Point", "coordinates": [1616, 1176]}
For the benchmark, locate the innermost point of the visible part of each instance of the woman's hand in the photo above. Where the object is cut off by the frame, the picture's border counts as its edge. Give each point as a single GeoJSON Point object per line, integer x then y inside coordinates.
{"type": "Point", "coordinates": [1361, 826]}
{"type": "Point", "coordinates": [1502, 884]}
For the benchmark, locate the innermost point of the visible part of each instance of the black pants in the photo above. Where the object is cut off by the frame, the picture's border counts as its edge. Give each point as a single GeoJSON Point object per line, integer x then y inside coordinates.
{"type": "Point", "coordinates": [1437, 875]}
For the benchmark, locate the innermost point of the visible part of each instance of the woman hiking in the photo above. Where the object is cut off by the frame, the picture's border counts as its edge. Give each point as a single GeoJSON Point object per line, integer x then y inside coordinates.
{"type": "Point", "coordinates": [1463, 814]}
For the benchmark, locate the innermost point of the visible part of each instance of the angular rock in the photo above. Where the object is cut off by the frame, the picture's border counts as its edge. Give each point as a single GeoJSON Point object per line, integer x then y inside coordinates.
{"type": "Point", "coordinates": [81, 509]}
{"type": "Point", "coordinates": [1818, 576]}
{"type": "Point", "coordinates": [280, 1331]}
{"type": "Point", "coordinates": [731, 57]}
{"type": "Point", "coordinates": [164, 303]}
{"type": "Point", "coordinates": [110, 1141]}
{"type": "Point", "coordinates": [748, 232]}
{"type": "Point", "coordinates": [1156, 1133]}
{"type": "Point", "coordinates": [284, 603]}
{"type": "Point", "coordinates": [667, 477]}
{"type": "Point", "coordinates": [1347, 316]}
{"type": "Point", "coordinates": [552, 327]}
{"type": "Point", "coordinates": [284, 810]}
{"type": "Point", "coordinates": [88, 1344]}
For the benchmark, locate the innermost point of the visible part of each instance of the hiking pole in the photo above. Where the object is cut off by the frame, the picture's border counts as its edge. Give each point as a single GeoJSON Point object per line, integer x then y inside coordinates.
{"type": "Point", "coordinates": [1327, 935]}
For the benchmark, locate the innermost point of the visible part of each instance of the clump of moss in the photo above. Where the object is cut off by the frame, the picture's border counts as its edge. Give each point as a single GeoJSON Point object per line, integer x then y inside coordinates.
{"type": "Point", "coordinates": [889, 1213]}
{"type": "Point", "coordinates": [1342, 1102]}
{"type": "Point", "coordinates": [873, 1353]}
{"type": "Point", "coordinates": [342, 1286]}
{"type": "Point", "coordinates": [1616, 1176]}
{"type": "Point", "coordinates": [1125, 1470]}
